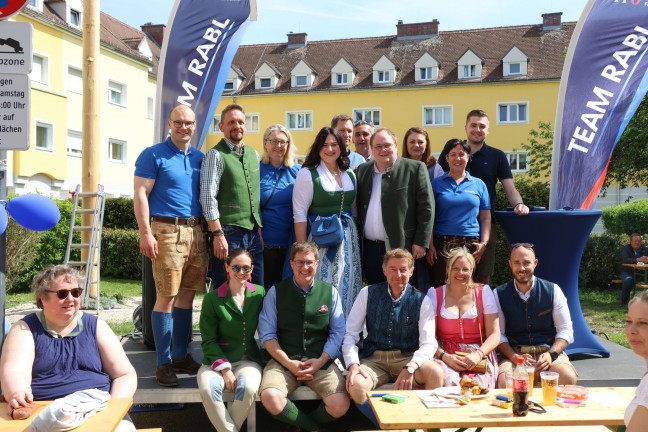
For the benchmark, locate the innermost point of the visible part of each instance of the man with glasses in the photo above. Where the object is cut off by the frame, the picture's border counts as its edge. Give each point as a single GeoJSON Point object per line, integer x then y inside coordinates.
{"type": "Point", "coordinates": [173, 235]}
{"type": "Point", "coordinates": [301, 326]}
{"type": "Point", "coordinates": [490, 165]}
{"type": "Point", "coordinates": [362, 132]}
{"type": "Point", "coordinates": [343, 124]}
{"type": "Point", "coordinates": [534, 320]}
{"type": "Point", "coordinates": [395, 207]}
{"type": "Point", "coordinates": [229, 193]}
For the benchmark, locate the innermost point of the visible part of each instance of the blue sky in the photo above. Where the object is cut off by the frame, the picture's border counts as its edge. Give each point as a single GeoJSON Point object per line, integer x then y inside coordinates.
{"type": "Point", "coordinates": [338, 19]}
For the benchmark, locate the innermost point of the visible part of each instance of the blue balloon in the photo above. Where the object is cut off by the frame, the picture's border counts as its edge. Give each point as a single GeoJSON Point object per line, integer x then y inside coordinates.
{"type": "Point", "coordinates": [34, 212]}
{"type": "Point", "coordinates": [3, 219]}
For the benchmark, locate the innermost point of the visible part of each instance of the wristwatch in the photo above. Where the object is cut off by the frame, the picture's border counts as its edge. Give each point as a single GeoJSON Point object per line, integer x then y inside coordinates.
{"type": "Point", "coordinates": [410, 369]}
{"type": "Point", "coordinates": [217, 232]}
{"type": "Point", "coordinates": [553, 354]}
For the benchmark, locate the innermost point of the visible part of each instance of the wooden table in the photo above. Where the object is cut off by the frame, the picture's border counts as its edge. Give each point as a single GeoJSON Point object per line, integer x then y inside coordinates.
{"type": "Point", "coordinates": [412, 414]}
{"type": "Point", "coordinates": [640, 272]}
{"type": "Point", "coordinates": [105, 420]}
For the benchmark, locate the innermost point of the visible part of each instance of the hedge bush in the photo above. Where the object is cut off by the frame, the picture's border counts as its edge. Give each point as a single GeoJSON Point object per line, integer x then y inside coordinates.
{"type": "Point", "coordinates": [601, 260]}
{"type": "Point", "coordinates": [626, 218]}
{"type": "Point", "coordinates": [119, 213]}
{"type": "Point", "coordinates": [120, 255]}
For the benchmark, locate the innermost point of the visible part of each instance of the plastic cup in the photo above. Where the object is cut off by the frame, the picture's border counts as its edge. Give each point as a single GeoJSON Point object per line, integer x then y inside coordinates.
{"type": "Point", "coordinates": [549, 387]}
{"type": "Point", "coordinates": [531, 371]}
{"type": "Point", "coordinates": [508, 376]}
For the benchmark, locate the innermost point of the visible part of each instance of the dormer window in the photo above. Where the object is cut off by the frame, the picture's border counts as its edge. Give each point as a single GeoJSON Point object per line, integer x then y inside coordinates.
{"type": "Point", "coordinates": [265, 83]}
{"type": "Point", "coordinates": [234, 79]}
{"type": "Point", "coordinates": [342, 79]}
{"type": "Point", "coordinates": [383, 76]}
{"type": "Point", "coordinates": [301, 81]}
{"type": "Point", "coordinates": [229, 86]}
{"type": "Point", "coordinates": [469, 65]}
{"type": "Point", "coordinates": [75, 18]}
{"type": "Point", "coordinates": [515, 68]}
{"type": "Point", "coordinates": [470, 71]}
{"type": "Point", "coordinates": [302, 75]}
{"type": "Point", "coordinates": [514, 63]}
{"type": "Point", "coordinates": [266, 77]}
{"type": "Point", "coordinates": [343, 73]}
{"type": "Point", "coordinates": [384, 71]}
{"type": "Point", "coordinates": [427, 68]}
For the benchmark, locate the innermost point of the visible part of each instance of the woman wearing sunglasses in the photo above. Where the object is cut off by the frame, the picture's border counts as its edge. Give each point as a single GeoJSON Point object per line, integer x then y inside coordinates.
{"type": "Point", "coordinates": [60, 350]}
{"type": "Point", "coordinates": [232, 361]}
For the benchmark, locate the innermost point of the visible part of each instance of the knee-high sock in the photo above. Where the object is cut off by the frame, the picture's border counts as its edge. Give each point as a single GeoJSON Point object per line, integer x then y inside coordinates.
{"type": "Point", "coordinates": [321, 416]}
{"type": "Point", "coordinates": [181, 331]}
{"type": "Point", "coordinates": [162, 324]}
{"type": "Point", "coordinates": [365, 409]}
{"type": "Point", "coordinates": [292, 415]}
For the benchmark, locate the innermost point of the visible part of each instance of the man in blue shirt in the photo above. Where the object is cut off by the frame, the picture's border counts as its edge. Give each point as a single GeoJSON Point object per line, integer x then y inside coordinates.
{"type": "Point", "coordinates": [302, 327]}
{"type": "Point", "coordinates": [632, 253]}
{"type": "Point", "coordinates": [488, 164]}
{"type": "Point", "coordinates": [173, 235]}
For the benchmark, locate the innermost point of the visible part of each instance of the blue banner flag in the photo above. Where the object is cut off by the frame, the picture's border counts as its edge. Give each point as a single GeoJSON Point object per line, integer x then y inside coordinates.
{"type": "Point", "coordinates": [603, 82]}
{"type": "Point", "coordinates": [201, 40]}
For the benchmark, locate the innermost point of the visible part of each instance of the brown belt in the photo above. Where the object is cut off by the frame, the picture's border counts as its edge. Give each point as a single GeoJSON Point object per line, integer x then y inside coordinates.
{"type": "Point", "coordinates": [192, 221]}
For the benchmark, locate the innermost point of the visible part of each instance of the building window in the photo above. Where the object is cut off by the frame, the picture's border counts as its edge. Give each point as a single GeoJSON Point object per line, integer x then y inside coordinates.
{"type": "Point", "coordinates": [299, 120]}
{"type": "Point", "coordinates": [427, 73]}
{"type": "Point", "coordinates": [40, 69]}
{"type": "Point", "coordinates": [512, 112]}
{"type": "Point", "coordinates": [214, 126]}
{"type": "Point", "coordinates": [116, 93]}
{"type": "Point", "coordinates": [265, 83]}
{"type": "Point", "coordinates": [515, 68]}
{"type": "Point", "coordinates": [252, 122]}
{"type": "Point", "coordinates": [150, 110]}
{"type": "Point", "coordinates": [74, 143]}
{"type": "Point", "coordinates": [229, 86]}
{"type": "Point", "coordinates": [116, 150]}
{"type": "Point", "coordinates": [470, 71]}
{"type": "Point", "coordinates": [74, 80]}
{"type": "Point", "coordinates": [44, 136]}
{"type": "Point", "coordinates": [367, 114]}
{"type": "Point", "coordinates": [519, 161]}
{"type": "Point", "coordinates": [383, 76]}
{"type": "Point", "coordinates": [301, 81]}
{"type": "Point", "coordinates": [75, 18]}
{"type": "Point", "coordinates": [342, 79]}
{"type": "Point", "coordinates": [437, 115]}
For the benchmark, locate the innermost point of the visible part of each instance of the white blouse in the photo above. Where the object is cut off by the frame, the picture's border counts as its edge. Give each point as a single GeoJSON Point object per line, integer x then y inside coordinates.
{"type": "Point", "coordinates": [641, 398]}
{"type": "Point", "coordinates": [303, 192]}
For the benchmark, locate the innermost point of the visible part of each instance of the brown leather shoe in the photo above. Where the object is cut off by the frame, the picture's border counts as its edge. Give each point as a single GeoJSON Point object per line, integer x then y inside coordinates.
{"type": "Point", "coordinates": [187, 365]}
{"type": "Point", "coordinates": [165, 376]}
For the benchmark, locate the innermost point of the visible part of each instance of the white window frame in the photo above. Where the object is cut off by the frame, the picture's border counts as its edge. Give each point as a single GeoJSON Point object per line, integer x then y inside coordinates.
{"type": "Point", "coordinates": [49, 126]}
{"type": "Point", "coordinates": [121, 142]}
{"type": "Point", "coordinates": [74, 12]}
{"type": "Point", "coordinates": [123, 92]}
{"type": "Point", "coordinates": [150, 108]}
{"type": "Point", "coordinates": [513, 105]}
{"type": "Point", "coordinates": [433, 108]}
{"type": "Point", "coordinates": [514, 160]}
{"type": "Point", "coordinates": [426, 73]}
{"type": "Point", "coordinates": [214, 126]}
{"type": "Point", "coordinates": [71, 80]}
{"type": "Point", "coordinates": [472, 69]}
{"type": "Point", "coordinates": [368, 114]}
{"type": "Point", "coordinates": [35, 4]}
{"type": "Point", "coordinates": [298, 77]}
{"type": "Point", "coordinates": [519, 65]}
{"type": "Point", "coordinates": [383, 76]}
{"type": "Point", "coordinates": [341, 79]}
{"type": "Point", "coordinates": [261, 86]}
{"type": "Point", "coordinates": [250, 120]}
{"type": "Point", "coordinates": [73, 151]}
{"type": "Point", "coordinates": [229, 82]}
{"type": "Point", "coordinates": [45, 69]}
{"type": "Point", "coordinates": [306, 114]}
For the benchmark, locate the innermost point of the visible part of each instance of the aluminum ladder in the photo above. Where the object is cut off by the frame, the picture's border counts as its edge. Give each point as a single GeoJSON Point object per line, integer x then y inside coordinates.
{"type": "Point", "coordinates": [93, 247]}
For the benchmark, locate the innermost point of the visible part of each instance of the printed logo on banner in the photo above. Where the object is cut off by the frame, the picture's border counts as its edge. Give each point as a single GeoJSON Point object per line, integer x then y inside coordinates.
{"type": "Point", "coordinates": [634, 2]}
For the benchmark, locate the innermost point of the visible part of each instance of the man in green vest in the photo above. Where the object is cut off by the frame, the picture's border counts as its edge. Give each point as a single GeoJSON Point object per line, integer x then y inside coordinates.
{"type": "Point", "coordinates": [229, 194]}
{"type": "Point", "coordinates": [302, 327]}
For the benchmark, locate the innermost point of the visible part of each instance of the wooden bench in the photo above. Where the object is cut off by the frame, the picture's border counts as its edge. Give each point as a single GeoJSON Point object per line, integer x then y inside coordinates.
{"type": "Point", "coordinates": [616, 281]}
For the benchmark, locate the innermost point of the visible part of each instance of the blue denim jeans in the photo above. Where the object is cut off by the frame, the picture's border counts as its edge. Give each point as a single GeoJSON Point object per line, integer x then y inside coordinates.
{"type": "Point", "coordinates": [626, 288]}
{"type": "Point", "coordinates": [236, 237]}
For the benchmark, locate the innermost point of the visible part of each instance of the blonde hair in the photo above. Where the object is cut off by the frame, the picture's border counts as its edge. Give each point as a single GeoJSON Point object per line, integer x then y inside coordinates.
{"type": "Point", "coordinates": [642, 296]}
{"type": "Point", "coordinates": [398, 253]}
{"type": "Point", "coordinates": [453, 255]}
{"type": "Point", "coordinates": [289, 157]}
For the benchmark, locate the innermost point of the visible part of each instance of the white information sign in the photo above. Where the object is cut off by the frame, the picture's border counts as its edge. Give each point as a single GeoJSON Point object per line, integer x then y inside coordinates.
{"type": "Point", "coordinates": [15, 91]}
{"type": "Point", "coordinates": [16, 47]}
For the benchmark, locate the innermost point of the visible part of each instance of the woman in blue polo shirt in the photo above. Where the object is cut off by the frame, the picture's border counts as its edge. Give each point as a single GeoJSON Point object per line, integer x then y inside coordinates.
{"type": "Point", "coordinates": [278, 172]}
{"type": "Point", "coordinates": [462, 211]}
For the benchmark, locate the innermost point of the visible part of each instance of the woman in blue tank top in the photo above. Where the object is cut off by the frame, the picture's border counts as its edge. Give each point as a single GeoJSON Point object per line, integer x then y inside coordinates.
{"type": "Point", "coordinates": [59, 350]}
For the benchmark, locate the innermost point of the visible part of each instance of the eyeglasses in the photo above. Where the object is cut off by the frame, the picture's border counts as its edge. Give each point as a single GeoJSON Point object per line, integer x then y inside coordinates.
{"type": "Point", "coordinates": [524, 245]}
{"type": "Point", "coordinates": [363, 122]}
{"type": "Point", "coordinates": [278, 143]}
{"type": "Point", "coordinates": [187, 124]}
{"type": "Point", "coordinates": [62, 294]}
{"type": "Point", "coordinates": [302, 263]}
{"type": "Point", "coordinates": [237, 268]}
{"type": "Point", "coordinates": [381, 147]}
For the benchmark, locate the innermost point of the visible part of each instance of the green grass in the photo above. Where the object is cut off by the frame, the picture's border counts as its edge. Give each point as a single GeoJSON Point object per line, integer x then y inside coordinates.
{"type": "Point", "coordinates": [121, 328]}
{"type": "Point", "coordinates": [605, 314]}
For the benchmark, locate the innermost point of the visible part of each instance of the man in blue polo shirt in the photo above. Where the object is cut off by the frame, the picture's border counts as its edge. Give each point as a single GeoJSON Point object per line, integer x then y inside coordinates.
{"type": "Point", "coordinates": [488, 164]}
{"type": "Point", "coordinates": [173, 235]}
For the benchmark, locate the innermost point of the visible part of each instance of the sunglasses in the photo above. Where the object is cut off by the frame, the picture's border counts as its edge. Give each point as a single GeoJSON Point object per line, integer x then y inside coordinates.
{"type": "Point", "coordinates": [62, 294]}
{"type": "Point", "coordinates": [237, 268]}
{"type": "Point", "coordinates": [524, 245]}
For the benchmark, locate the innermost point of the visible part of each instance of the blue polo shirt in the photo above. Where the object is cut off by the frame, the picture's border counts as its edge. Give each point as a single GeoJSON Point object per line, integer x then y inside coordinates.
{"type": "Point", "coordinates": [277, 213]}
{"type": "Point", "coordinates": [458, 205]}
{"type": "Point", "coordinates": [176, 192]}
{"type": "Point", "coordinates": [489, 164]}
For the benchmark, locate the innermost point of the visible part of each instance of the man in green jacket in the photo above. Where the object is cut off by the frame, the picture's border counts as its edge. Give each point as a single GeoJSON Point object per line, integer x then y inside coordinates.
{"type": "Point", "coordinates": [302, 327]}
